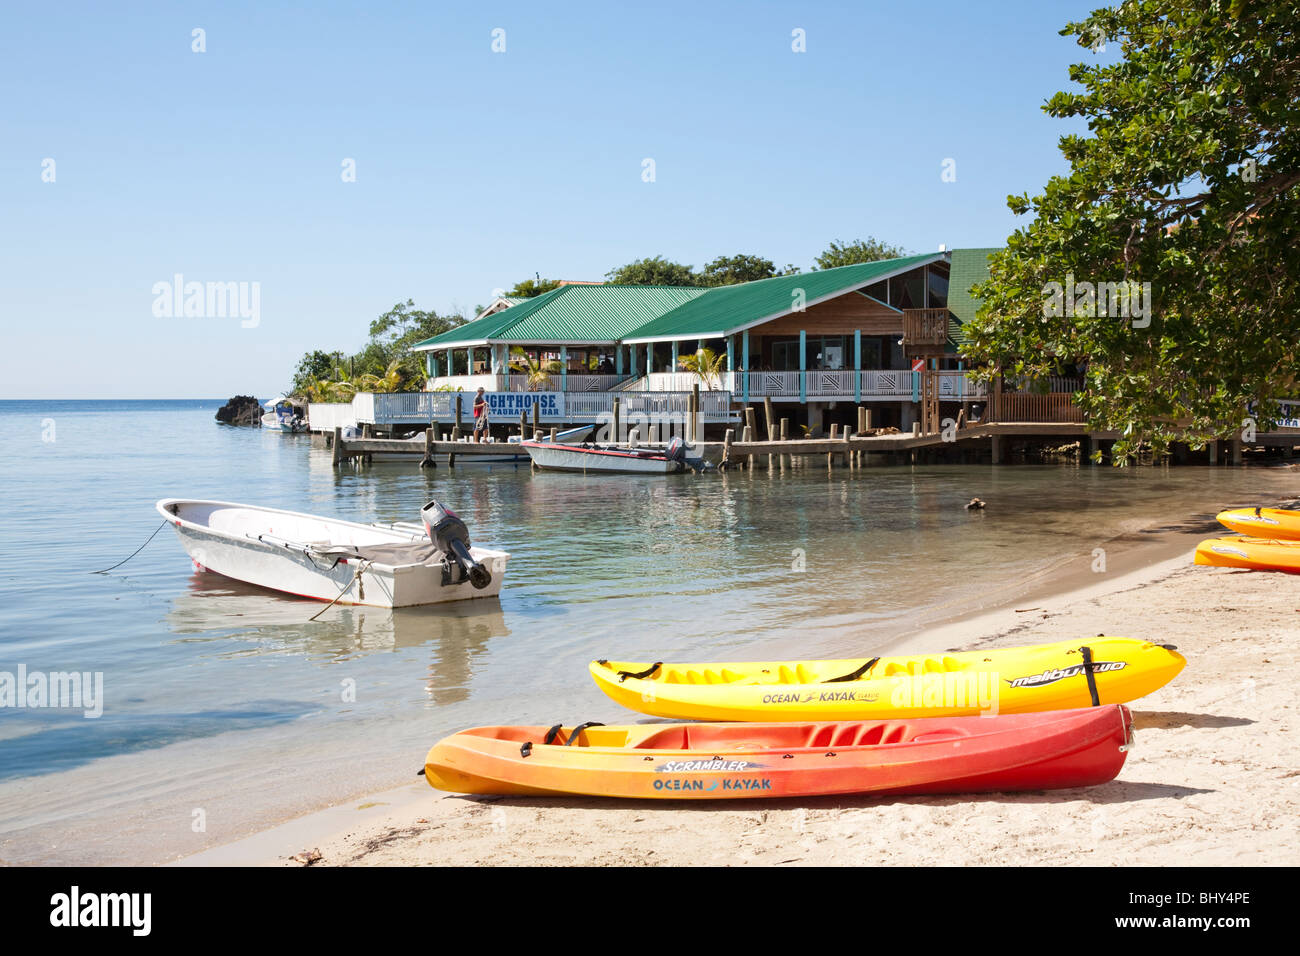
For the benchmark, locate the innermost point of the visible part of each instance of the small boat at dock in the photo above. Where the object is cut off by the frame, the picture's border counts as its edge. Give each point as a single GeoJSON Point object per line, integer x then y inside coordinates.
{"type": "Point", "coordinates": [282, 416]}
{"type": "Point", "coordinates": [477, 453]}
{"type": "Point", "coordinates": [610, 458]}
{"type": "Point", "coordinates": [398, 565]}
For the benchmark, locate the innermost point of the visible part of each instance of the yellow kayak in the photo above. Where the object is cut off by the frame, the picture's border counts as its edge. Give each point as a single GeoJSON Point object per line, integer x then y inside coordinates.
{"type": "Point", "coordinates": [1078, 673]}
{"type": "Point", "coordinates": [1256, 554]}
{"type": "Point", "coordinates": [1262, 522]}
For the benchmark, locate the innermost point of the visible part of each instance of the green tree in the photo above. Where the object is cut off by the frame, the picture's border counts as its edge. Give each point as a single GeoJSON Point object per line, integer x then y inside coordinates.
{"type": "Point", "coordinates": [539, 372]}
{"type": "Point", "coordinates": [840, 253]}
{"type": "Point", "coordinates": [1189, 181]}
{"type": "Point", "coordinates": [313, 367]}
{"type": "Point", "coordinates": [706, 366]}
{"type": "Point", "coordinates": [533, 287]}
{"type": "Point", "coordinates": [729, 270]}
{"type": "Point", "coordinates": [656, 271]}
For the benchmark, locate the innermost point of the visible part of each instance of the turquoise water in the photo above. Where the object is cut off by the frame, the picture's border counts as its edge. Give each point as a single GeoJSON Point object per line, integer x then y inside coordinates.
{"type": "Point", "coordinates": [225, 709]}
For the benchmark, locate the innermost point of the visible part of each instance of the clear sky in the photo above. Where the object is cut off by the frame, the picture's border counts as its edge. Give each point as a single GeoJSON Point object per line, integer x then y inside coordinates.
{"type": "Point", "coordinates": [473, 168]}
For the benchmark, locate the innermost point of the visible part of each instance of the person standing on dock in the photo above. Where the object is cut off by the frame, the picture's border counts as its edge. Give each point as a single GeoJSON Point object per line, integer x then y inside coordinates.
{"type": "Point", "coordinates": [480, 416]}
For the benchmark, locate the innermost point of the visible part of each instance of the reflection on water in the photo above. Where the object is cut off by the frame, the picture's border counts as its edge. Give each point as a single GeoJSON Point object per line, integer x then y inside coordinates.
{"type": "Point", "coordinates": [214, 607]}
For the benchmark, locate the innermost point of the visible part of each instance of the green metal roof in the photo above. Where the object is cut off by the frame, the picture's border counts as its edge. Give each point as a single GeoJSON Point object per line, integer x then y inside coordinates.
{"type": "Point", "coordinates": [724, 310]}
{"type": "Point", "coordinates": [969, 267]}
{"type": "Point", "coordinates": [575, 314]}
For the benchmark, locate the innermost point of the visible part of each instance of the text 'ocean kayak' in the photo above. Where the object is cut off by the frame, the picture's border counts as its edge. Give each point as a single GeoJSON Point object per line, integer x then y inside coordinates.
{"type": "Point", "coordinates": [1069, 748]}
{"type": "Point", "coordinates": [1005, 681]}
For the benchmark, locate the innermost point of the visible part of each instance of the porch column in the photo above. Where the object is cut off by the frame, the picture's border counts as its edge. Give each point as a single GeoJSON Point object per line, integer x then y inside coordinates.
{"type": "Point", "coordinates": [803, 366]}
{"type": "Point", "coordinates": [618, 360]}
{"type": "Point", "coordinates": [564, 368]}
{"type": "Point", "coordinates": [431, 364]}
{"type": "Point", "coordinates": [674, 355]}
{"type": "Point", "coordinates": [731, 353]}
{"type": "Point", "coordinates": [744, 361]}
{"type": "Point", "coordinates": [469, 360]}
{"type": "Point", "coordinates": [857, 366]}
{"type": "Point", "coordinates": [649, 358]}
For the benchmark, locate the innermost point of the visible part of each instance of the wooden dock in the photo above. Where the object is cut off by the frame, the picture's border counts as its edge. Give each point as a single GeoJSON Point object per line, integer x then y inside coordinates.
{"type": "Point", "coordinates": [426, 453]}
{"type": "Point", "coordinates": [986, 440]}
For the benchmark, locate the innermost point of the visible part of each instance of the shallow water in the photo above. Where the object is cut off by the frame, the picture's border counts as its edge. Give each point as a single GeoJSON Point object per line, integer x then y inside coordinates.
{"type": "Point", "coordinates": [225, 709]}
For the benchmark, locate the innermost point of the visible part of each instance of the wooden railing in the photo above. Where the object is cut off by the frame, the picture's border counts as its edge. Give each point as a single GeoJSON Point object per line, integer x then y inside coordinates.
{"type": "Point", "coordinates": [1010, 407]}
{"type": "Point", "coordinates": [925, 327]}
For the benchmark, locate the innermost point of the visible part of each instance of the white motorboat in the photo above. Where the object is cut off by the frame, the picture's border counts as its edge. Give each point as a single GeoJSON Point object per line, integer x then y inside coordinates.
{"type": "Point", "coordinates": [609, 458]}
{"type": "Point", "coordinates": [397, 565]}
{"type": "Point", "coordinates": [281, 416]}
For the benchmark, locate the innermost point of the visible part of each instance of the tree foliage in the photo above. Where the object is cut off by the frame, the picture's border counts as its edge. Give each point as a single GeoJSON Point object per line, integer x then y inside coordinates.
{"type": "Point", "coordinates": [1189, 180]}
{"type": "Point", "coordinates": [529, 288]}
{"type": "Point", "coordinates": [706, 365]}
{"type": "Point", "coordinates": [840, 253]}
{"type": "Point", "coordinates": [655, 271]}
{"type": "Point", "coordinates": [730, 270]}
{"type": "Point", "coordinates": [385, 363]}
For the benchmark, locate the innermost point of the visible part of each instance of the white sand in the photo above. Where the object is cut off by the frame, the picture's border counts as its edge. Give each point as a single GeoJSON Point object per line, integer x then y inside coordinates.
{"type": "Point", "coordinates": [1214, 778]}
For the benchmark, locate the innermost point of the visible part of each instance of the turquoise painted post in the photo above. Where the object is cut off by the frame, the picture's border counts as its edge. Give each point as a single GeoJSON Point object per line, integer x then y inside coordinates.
{"type": "Point", "coordinates": [674, 355]}
{"type": "Point", "coordinates": [649, 358]}
{"type": "Point", "coordinates": [564, 368]}
{"type": "Point", "coordinates": [803, 367]}
{"type": "Point", "coordinates": [916, 386]}
{"type": "Point", "coordinates": [731, 353]}
{"type": "Point", "coordinates": [431, 364]}
{"type": "Point", "coordinates": [744, 361]}
{"type": "Point", "coordinates": [618, 360]}
{"type": "Point", "coordinates": [857, 366]}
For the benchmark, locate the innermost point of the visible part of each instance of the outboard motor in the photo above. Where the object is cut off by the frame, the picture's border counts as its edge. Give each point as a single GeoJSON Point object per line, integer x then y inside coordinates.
{"type": "Point", "coordinates": [676, 450]}
{"type": "Point", "coordinates": [451, 537]}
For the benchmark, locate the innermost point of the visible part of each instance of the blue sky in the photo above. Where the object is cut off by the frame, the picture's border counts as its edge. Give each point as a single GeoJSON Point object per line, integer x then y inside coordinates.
{"type": "Point", "coordinates": [474, 169]}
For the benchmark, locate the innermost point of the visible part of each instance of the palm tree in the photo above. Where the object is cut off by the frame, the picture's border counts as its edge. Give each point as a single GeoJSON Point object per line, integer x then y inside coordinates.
{"type": "Point", "coordinates": [390, 381]}
{"type": "Point", "coordinates": [539, 373]}
{"type": "Point", "coordinates": [707, 366]}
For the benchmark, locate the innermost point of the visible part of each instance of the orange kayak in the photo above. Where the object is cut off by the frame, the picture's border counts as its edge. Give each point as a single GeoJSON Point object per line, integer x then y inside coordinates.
{"type": "Point", "coordinates": [1257, 554]}
{"type": "Point", "coordinates": [1276, 523]}
{"type": "Point", "coordinates": [1042, 751]}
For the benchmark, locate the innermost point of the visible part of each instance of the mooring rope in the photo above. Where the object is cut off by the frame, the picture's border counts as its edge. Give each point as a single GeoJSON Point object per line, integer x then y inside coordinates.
{"type": "Point", "coordinates": [346, 588]}
{"type": "Point", "coordinates": [135, 552]}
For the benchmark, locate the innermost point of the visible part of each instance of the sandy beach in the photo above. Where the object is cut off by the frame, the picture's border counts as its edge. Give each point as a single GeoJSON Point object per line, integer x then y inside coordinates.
{"type": "Point", "coordinates": [1214, 778]}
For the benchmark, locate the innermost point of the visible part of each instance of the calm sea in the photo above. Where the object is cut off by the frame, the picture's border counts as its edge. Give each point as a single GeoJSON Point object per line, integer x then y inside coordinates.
{"type": "Point", "coordinates": [226, 710]}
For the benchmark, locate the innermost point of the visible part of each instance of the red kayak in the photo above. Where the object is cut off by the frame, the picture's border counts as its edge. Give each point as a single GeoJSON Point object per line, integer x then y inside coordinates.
{"type": "Point", "coordinates": [1041, 751]}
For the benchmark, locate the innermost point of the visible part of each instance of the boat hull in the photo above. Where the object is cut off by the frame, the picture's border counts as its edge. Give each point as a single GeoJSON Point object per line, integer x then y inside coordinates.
{"type": "Point", "coordinates": [272, 563]}
{"type": "Point", "coordinates": [1073, 748]}
{"type": "Point", "coordinates": [1006, 681]}
{"type": "Point", "coordinates": [1272, 523]}
{"type": "Point", "coordinates": [1254, 554]}
{"type": "Point", "coordinates": [559, 457]}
